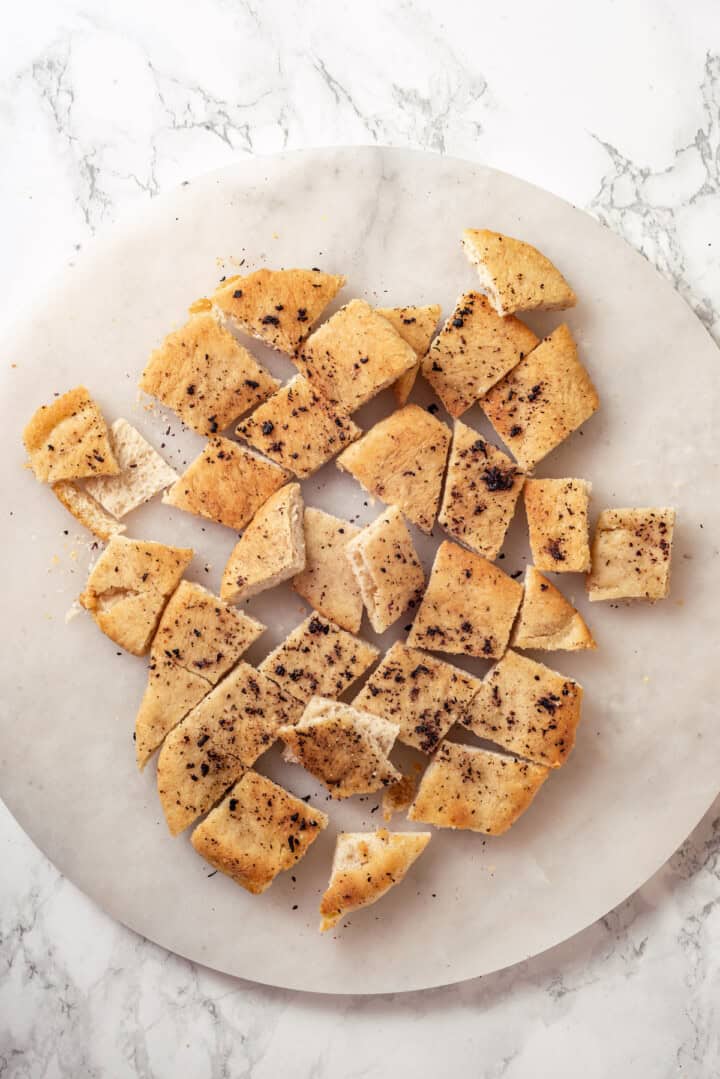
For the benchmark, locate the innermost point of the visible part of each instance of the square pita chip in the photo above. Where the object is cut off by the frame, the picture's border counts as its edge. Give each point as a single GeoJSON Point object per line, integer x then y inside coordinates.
{"type": "Point", "coordinates": [257, 831]}
{"type": "Point", "coordinates": [206, 376]}
{"type": "Point", "coordinates": [328, 582]}
{"type": "Point", "coordinates": [473, 351]}
{"type": "Point", "coordinates": [528, 709]}
{"type": "Point", "coordinates": [421, 693]}
{"type": "Point", "coordinates": [271, 549]}
{"type": "Point", "coordinates": [515, 275]}
{"type": "Point", "coordinates": [401, 460]}
{"type": "Point", "coordinates": [546, 397]}
{"type": "Point", "coordinates": [481, 489]}
{"type": "Point", "coordinates": [354, 355]}
{"type": "Point", "coordinates": [277, 306]}
{"type": "Point", "coordinates": [299, 429]}
{"type": "Point", "coordinates": [129, 586]}
{"type": "Point", "coordinates": [69, 439]}
{"type": "Point", "coordinates": [226, 483]}
{"type": "Point", "coordinates": [387, 569]}
{"type": "Point", "coordinates": [318, 658]}
{"type": "Point", "coordinates": [475, 789]}
{"type": "Point", "coordinates": [416, 325]}
{"type": "Point", "coordinates": [222, 736]}
{"type": "Point", "coordinates": [547, 620]}
{"type": "Point", "coordinates": [198, 640]}
{"type": "Point", "coordinates": [346, 750]}
{"type": "Point", "coordinates": [631, 552]}
{"type": "Point", "coordinates": [557, 516]}
{"type": "Point", "coordinates": [469, 606]}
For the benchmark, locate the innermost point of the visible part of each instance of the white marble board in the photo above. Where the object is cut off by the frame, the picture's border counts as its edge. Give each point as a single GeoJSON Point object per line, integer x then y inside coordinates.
{"type": "Point", "coordinates": [645, 765]}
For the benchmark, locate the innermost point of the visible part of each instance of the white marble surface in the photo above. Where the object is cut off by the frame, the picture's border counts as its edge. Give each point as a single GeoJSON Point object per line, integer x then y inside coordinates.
{"type": "Point", "coordinates": [102, 107]}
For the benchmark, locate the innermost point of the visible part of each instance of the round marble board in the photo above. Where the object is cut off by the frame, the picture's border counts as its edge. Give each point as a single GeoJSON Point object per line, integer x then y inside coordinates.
{"type": "Point", "coordinates": [644, 768]}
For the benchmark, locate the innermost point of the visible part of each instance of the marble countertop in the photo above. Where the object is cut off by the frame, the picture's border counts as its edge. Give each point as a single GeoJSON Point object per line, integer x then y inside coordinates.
{"type": "Point", "coordinates": [103, 107]}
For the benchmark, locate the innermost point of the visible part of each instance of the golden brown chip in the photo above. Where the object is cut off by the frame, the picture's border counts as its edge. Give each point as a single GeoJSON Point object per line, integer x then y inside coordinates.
{"type": "Point", "coordinates": [631, 552]}
{"type": "Point", "coordinates": [416, 325]}
{"type": "Point", "coordinates": [328, 582]}
{"type": "Point", "coordinates": [474, 349]}
{"type": "Point", "coordinates": [547, 620]}
{"type": "Point", "coordinates": [271, 549]}
{"type": "Point", "coordinates": [515, 275]}
{"type": "Point", "coordinates": [557, 515]}
{"type": "Point", "coordinates": [387, 569]}
{"type": "Point", "coordinates": [68, 439]}
{"type": "Point", "coordinates": [401, 460]}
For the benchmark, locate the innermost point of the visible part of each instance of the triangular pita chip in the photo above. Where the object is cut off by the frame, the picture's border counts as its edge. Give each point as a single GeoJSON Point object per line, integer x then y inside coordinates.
{"type": "Point", "coordinates": [277, 306]}
{"type": "Point", "coordinates": [482, 487]}
{"type": "Point", "coordinates": [469, 605]}
{"type": "Point", "coordinates": [528, 709]}
{"type": "Point", "coordinates": [347, 750]}
{"type": "Point", "coordinates": [423, 694]}
{"type": "Point", "coordinates": [206, 376]}
{"type": "Point", "coordinates": [226, 483]}
{"type": "Point", "coordinates": [298, 428]}
{"type": "Point", "coordinates": [257, 831]}
{"type": "Point", "coordinates": [328, 582]}
{"type": "Point", "coordinates": [128, 587]}
{"type": "Point", "coordinates": [270, 550]}
{"type": "Point", "coordinates": [547, 620]}
{"type": "Point", "coordinates": [143, 472]}
{"type": "Point", "coordinates": [416, 325]}
{"type": "Point", "coordinates": [543, 400]}
{"type": "Point", "coordinates": [68, 439]}
{"type": "Point", "coordinates": [318, 658]}
{"type": "Point", "coordinates": [365, 866]}
{"type": "Point", "coordinates": [387, 569]}
{"type": "Point", "coordinates": [467, 787]}
{"type": "Point", "coordinates": [515, 275]}
{"type": "Point", "coordinates": [354, 355]}
{"type": "Point", "coordinates": [474, 349]}
{"type": "Point", "coordinates": [401, 460]}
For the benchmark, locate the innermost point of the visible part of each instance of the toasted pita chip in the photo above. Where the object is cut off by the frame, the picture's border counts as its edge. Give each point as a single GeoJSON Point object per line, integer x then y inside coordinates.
{"type": "Point", "coordinates": [86, 510]}
{"type": "Point", "coordinates": [143, 472]}
{"type": "Point", "coordinates": [277, 306]}
{"type": "Point", "coordinates": [354, 355]}
{"type": "Point", "coordinates": [318, 658]}
{"type": "Point", "coordinates": [226, 483]}
{"type": "Point", "coordinates": [347, 750]}
{"type": "Point", "coordinates": [129, 587]}
{"type": "Point", "coordinates": [222, 736]}
{"type": "Point", "coordinates": [474, 789]}
{"type": "Point", "coordinates": [416, 325]}
{"type": "Point", "coordinates": [557, 515]}
{"type": "Point", "coordinates": [257, 831]}
{"type": "Point", "coordinates": [401, 460]}
{"type": "Point", "coordinates": [206, 376]}
{"type": "Point", "coordinates": [387, 569]}
{"type": "Point", "coordinates": [328, 582]}
{"type": "Point", "coordinates": [421, 693]}
{"type": "Point", "coordinates": [299, 429]}
{"type": "Point", "coordinates": [365, 866]}
{"type": "Point", "coordinates": [515, 275]}
{"type": "Point", "coordinates": [469, 606]}
{"type": "Point", "coordinates": [543, 400]}
{"type": "Point", "coordinates": [631, 552]}
{"type": "Point", "coordinates": [547, 620]}
{"type": "Point", "coordinates": [481, 489]}
{"type": "Point", "coordinates": [528, 709]}
{"type": "Point", "coordinates": [398, 797]}
{"type": "Point", "coordinates": [198, 639]}
{"type": "Point", "coordinates": [68, 439]}
{"type": "Point", "coordinates": [474, 349]}
{"type": "Point", "coordinates": [271, 549]}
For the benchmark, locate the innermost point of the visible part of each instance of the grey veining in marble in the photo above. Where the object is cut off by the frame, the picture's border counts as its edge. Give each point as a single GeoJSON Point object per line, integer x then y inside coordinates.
{"type": "Point", "coordinates": [103, 107]}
